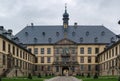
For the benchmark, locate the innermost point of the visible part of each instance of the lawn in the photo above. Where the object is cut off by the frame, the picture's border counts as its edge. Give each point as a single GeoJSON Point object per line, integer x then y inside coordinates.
{"type": "Point", "coordinates": [105, 78]}
{"type": "Point", "coordinates": [26, 79]}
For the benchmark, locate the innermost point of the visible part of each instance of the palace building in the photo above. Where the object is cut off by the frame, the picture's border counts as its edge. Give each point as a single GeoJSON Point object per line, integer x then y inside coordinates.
{"type": "Point", "coordinates": [56, 49]}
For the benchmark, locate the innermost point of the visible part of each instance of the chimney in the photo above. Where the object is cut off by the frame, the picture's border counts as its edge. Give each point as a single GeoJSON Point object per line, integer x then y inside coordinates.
{"type": "Point", "coordinates": [32, 24]}
{"type": "Point", "coordinates": [75, 24]}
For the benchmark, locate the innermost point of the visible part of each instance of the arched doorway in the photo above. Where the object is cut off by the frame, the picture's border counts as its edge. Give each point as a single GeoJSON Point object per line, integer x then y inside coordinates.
{"type": "Point", "coordinates": [65, 71]}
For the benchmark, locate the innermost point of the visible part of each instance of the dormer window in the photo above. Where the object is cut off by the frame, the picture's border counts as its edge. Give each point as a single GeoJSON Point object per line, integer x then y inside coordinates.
{"type": "Point", "coordinates": [57, 34]}
{"type": "Point", "coordinates": [73, 33]}
{"type": "Point", "coordinates": [26, 33]}
{"type": "Point", "coordinates": [87, 33]}
{"type": "Point", "coordinates": [49, 40]}
{"type": "Point", "coordinates": [35, 39]}
{"type": "Point", "coordinates": [102, 33]}
{"type": "Point", "coordinates": [81, 39]}
{"type": "Point", "coordinates": [96, 40]}
{"type": "Point", "coordinates": [43, 33]}
{"type": "Point", "coordinates": [112, 39]}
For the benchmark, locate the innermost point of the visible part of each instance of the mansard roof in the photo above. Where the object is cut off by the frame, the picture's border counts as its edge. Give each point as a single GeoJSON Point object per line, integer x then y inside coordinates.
{"type": "Point", "coordinates": [81, 34]}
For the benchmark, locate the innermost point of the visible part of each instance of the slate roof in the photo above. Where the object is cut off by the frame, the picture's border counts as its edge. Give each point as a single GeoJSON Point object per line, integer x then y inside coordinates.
{"type": "Point", "coordinates": [80, 34]}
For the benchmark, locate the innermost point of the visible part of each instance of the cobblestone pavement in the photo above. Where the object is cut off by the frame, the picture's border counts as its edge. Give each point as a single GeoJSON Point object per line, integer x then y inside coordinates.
{"type": "Point", "coordinates": [63, 78]}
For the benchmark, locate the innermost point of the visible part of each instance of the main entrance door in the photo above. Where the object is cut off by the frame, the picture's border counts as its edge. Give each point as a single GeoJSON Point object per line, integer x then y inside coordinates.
{"type": "Point", "coordinates": [65, 71]}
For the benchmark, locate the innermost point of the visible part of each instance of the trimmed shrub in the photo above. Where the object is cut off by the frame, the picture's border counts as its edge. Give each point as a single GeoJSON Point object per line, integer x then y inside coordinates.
{"type": "Point", "coordinates": [88, 76]}
{"type": "Point", "coordinates": [95, 76]}
{"type": "Point", "coordinates": [29, 76]}
{"type": "Point", "coordinates": [39, 75]}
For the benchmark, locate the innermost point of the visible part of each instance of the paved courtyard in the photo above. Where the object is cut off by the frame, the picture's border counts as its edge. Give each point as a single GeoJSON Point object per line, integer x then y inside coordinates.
{"type": "Point", "coordinates": [63, 78]}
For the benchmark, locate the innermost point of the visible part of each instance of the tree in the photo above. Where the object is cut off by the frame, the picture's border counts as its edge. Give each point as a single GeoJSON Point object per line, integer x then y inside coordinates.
{"type": "Point", "coordinates": [29, 76]}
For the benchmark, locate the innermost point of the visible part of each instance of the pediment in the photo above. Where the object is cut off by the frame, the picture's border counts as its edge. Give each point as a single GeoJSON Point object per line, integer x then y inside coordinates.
{"type": "Point", "coordinates": [65, 41]}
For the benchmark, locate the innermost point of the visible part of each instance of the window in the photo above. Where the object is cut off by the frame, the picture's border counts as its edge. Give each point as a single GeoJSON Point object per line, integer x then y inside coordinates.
{"type": "Point", "coordinates": [48, 68]}
{"type": "Point", "coordinates": [43, 33]}
{"type": "Point", "coordinates": [73, 33]}
{"type": "Point", "coordinates": [96, 50]}
{"type": "Point", "coordinates": [96, 59]}
{"type": "Point", "coordinates": [17, 52]}
{"type": "Point", "coordinates": [26, 33]}
{"type": "Point", "coordinates": [96, 40]}
{"type": "Point", "coordinates": [48, 59]}
{"type": "Point", "coordinates": [49, 40]}
{"type": "Point", "coordinates": [35, 39]}
{"type": "Point", "coordinates": [42, 50]}
{"type": "Point", "coordinates": [29, 49]}
{"type": "Point", "coordinates": [4, 60]}
{"type": "Point", "coordinates": [89, 50]}
{"type": "Point", "coordinates": [82, 67]}
{"type": "Point", "coordinates": [87, 33]}
{"type": "Point", "coordinates": [20, 54]}
{"type": "Point", "coordinates": [9, 48]}
{"type": "Point", "coordinates": [81, 59]}
{"type": "Point", "coordinates": [57, 68]}
{"type": "Point", "coordinates": [89, 67]}
{"type": "Point", "coordinates": [89, 59]}
{"type": "Point", "coordinates": [81, 39]}
{"type": "Point", "coordinates": [13, 50]}
{"type": "Point", "coordinates": [102, 33]}
{"type": "Point", "coordinates": [4, 45]}
{"type": "Point", "coordinates": [57, 51]}
{"type": "Point", "coordinates": [57, 34]}
{"type": "Point", "coordinates": [35, 50]}
{"type": "Point", "coordinates": [73, 50]}
{"type": "Point", "coordinates": [82, 50]}
{"type": "Point", "coordinates": [42, 59]}
{"type": "Point", "coordinates": [48, 50]}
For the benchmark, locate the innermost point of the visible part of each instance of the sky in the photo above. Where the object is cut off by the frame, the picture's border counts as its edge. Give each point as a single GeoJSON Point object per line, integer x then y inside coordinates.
{"type": "Point", "coordinates": [17, 14]}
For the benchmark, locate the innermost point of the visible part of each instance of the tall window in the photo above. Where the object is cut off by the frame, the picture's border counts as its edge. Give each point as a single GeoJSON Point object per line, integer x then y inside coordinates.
{"type": "Point", "coordinates": [57, 51]}
{"type": "Point", "coordinates": [29, 49]}
{"type": "Point", "coordinates": [89, 59]}
{"type": "Point", "coordinates": [96, 50]}
{"type": "Point", "coordinates": [57, 68]}
{"type": "Point", "coordinates": [81, 67]}
{"type": "Point", "coordinates": [48, 59]}
{"type": "Point", "coordinates": [42, 59]}
{"type": "Point", "coordinates": [35, 50]}
{"type": "Point", "coordinates": [4, 45]}
{"type": "Point", "coordinates": [89, 50]}
{"type": "Point", "coordinates": [48, 50]}
{"type": "Point", "coordinates": [89, 67]}
{"type": "Point", "coordinates": [13, 50]}
{"type": "Point", "coordinates": [73, 50]}
{"type": "Point", "coordinates": [17, 52]}
{"type": "Point", "coordinates": [42, 50]}
{"type": "Point", "coordinates": [9, 47]}
{"type": "Point", "coordinates": [4, 60]}
{"type": "Point", "coordinates": [82, 50]}
{"type": "Point", "coordinates": [82, 59]}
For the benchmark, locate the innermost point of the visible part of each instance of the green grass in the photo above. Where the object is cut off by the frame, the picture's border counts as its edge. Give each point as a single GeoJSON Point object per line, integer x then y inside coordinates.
{"type": "Point", "coordinates": [103, 78]}
{"type": "Point", "coordinates": [26, 79]}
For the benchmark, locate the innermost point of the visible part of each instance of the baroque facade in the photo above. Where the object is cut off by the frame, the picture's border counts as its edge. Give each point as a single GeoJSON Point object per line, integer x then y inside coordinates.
{"type": "Point", "coordinates": [59, 49]}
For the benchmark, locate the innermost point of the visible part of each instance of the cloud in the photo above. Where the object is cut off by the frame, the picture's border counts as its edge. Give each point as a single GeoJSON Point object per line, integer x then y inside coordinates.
{"type": "Point", "coordinates": [16, 14]}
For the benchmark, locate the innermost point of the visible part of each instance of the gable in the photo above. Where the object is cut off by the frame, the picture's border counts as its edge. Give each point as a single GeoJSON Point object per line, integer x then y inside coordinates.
{"type": "Point", "coordinates": [65, 41]}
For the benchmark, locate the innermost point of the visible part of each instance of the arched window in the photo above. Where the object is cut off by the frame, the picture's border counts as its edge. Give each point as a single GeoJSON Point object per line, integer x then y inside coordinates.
{"type": "Point", "coordinates": [73, 33]}
{"type": "Point", "coordinates": [49, 40]}
{"type": "Point", "coordinates": [43, 33]}
{"type": "Point", "coordinates": [81, 39]}
{"type": "Point", "coordinates": [35, 39]}
{"type": "Point", "coordinates": [102, 33]}
{"type": "Point", "coordinates": [96, 40]}
{"type": "Point", "coordinates": [87, 33]}
{"type": "Point", "coordinates": [57, 34]}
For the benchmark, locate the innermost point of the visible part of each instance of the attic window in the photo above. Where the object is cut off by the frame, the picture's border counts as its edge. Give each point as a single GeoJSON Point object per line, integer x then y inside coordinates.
{"type": "Point", "coordinates": [102, 33]}
{"type": "Point", "coordinates": [81, 39]}
{"type": "Point", "coordinates": [26, 33]}
{"type": "Point", "coordinates": [49, 40]}
{"type": "Point", "coordinates": [112, 39]}
{"type": "Point", "coordinates": [57, 34]}
{"type": "Point", "coordinates": [96, 40]}
{"type": "Point", "coordinates": [35, 39]}
{"type": "Point", "coordinates": [73, 33]}
{"type": "Point", "coordinates": [87, 33]}
{"type": "Point", "coordinates": [43, 33]}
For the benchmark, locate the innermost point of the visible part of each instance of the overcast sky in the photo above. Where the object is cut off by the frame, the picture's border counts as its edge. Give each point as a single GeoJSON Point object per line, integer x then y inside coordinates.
{"type": "Point", "coordinates": [16, 14]}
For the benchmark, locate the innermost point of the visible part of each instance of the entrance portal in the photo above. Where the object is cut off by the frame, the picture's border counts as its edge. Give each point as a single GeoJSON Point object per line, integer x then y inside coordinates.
{"type": "Point", "coordinates": [65, 71]}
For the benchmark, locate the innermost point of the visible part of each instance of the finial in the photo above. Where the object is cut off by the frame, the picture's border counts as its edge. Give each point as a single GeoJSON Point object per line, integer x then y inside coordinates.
{"type": "Point", "coordinates": [65, 6]}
